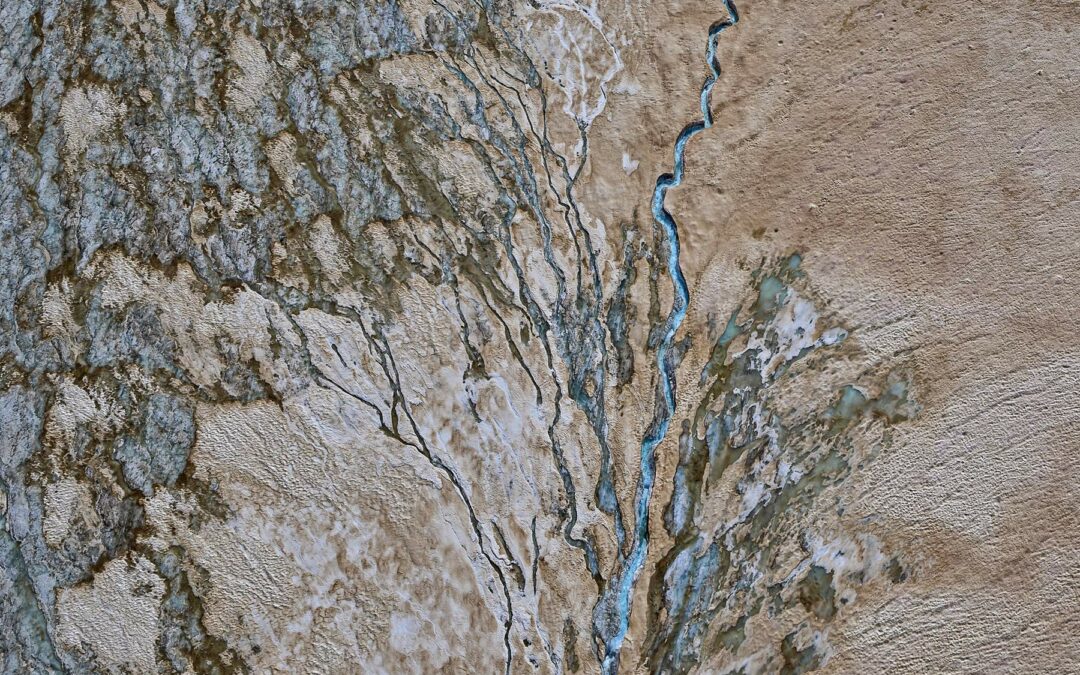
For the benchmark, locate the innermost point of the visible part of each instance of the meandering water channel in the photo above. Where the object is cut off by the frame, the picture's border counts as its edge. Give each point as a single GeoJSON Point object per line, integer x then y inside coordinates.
{"type": "Point", "coordinates": [622, 583]}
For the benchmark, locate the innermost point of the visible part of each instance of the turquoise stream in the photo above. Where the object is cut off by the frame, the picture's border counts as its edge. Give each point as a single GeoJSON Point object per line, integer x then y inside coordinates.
{"type": "Point", "coordinates": [624, 582]}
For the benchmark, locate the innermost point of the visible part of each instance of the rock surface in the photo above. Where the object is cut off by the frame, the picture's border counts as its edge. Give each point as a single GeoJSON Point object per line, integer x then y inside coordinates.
{"type": "Point", "coordinates": [344, 336]}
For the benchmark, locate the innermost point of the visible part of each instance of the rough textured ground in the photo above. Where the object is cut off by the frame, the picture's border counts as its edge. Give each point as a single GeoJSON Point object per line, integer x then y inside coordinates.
{"type": "Point", "coordinates": [353, 337]}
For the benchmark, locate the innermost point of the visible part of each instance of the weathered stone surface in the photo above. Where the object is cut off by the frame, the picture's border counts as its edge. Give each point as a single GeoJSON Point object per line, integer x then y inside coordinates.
{"type": "Point", "coordinates": [400, 336]}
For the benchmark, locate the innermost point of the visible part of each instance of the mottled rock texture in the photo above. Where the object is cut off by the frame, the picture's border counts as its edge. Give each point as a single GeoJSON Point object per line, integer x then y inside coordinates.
{"type": "Point", "coordinates": [348, 336]}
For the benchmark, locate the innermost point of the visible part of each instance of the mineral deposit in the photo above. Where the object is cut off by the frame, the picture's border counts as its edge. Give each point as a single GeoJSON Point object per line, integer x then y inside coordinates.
{"type": "Point", "coordinates": [539, 336]}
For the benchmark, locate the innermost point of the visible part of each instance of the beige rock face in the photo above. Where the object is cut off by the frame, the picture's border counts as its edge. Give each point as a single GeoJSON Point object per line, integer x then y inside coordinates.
{"type": "Point", "coordinates": [115, 616]}
{"type": "Point", "coordinates": [353, 337]}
